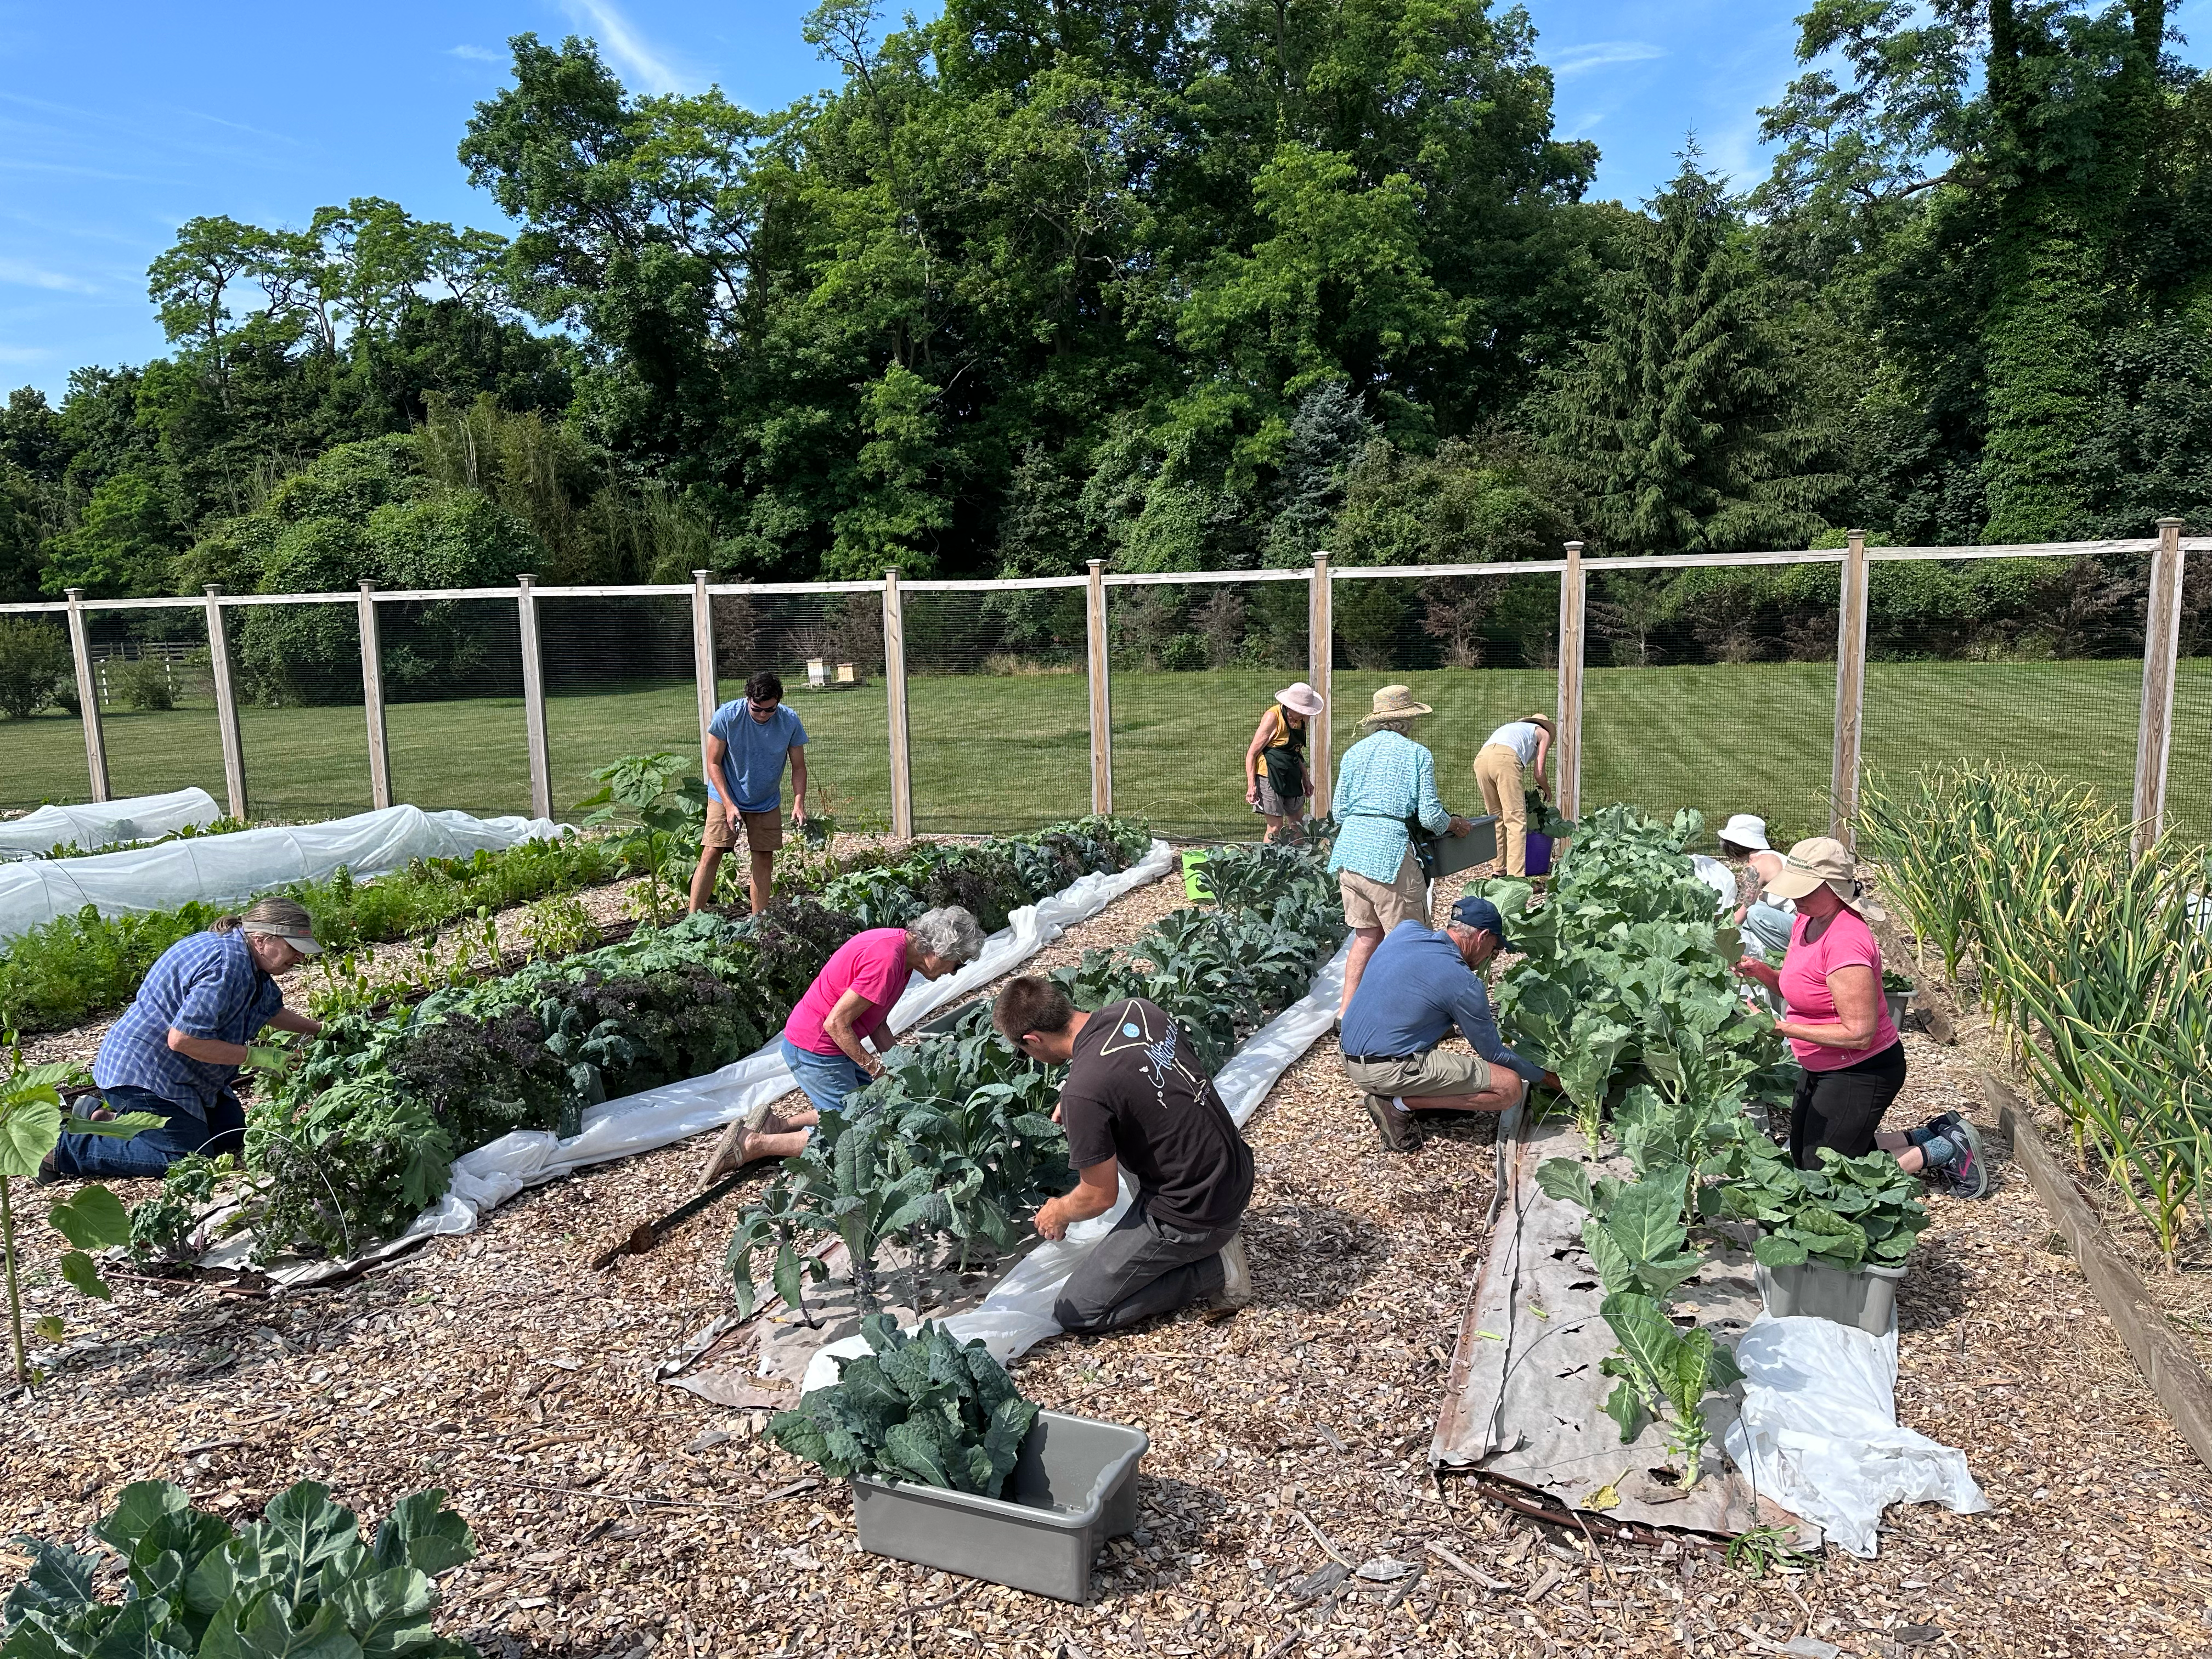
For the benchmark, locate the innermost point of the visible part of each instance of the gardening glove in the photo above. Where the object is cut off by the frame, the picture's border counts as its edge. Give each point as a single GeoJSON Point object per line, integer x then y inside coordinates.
{"type": "Point", "coordinates": [267, 1057]}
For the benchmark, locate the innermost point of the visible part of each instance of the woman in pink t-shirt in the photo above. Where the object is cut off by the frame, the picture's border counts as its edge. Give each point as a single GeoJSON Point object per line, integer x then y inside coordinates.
{"type": "Point", "coordinates": [1838, 1024]}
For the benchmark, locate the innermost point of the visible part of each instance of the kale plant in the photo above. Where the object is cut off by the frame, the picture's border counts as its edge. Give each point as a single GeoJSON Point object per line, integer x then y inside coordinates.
{"type": "Point", "coordinates": [922, 1408]}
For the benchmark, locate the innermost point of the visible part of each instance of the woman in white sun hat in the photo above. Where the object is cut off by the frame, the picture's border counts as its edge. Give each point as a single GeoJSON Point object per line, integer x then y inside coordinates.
{"type": "Point", "coordinates": [1839, 1027]}
{"type": "Point", "coordinates": [1743, 844]}
{"type": "Point", "coordinates": [1276, 781]}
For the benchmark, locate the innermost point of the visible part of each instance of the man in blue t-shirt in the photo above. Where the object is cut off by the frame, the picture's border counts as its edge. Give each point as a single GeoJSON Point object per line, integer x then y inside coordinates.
{"type": "Point", "coordinates": [747, 744]}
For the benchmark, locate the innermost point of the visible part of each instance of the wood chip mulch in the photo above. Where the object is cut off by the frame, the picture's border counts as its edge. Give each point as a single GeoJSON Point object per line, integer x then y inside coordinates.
{"type": "Point", "coordinates": [619, 1518]}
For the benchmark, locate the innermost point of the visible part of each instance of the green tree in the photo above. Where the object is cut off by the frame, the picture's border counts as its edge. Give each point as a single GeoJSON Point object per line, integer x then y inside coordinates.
{"type": "Point", "coordinates": [1683, 415]}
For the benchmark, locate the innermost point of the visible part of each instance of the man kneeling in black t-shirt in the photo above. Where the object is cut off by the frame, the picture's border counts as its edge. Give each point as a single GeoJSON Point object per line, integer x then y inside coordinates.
{"type": "Point", "coordinates": [1134, 1098]}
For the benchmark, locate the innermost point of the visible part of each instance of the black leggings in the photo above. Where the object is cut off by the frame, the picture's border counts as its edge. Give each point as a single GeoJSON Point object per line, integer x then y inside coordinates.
{"type": "Point", "coordinates": [1842, 1109]}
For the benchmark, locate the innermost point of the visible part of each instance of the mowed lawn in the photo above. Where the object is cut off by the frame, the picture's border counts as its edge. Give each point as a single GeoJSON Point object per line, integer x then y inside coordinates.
{"type": "Point", "coordinates": [1003, 753]}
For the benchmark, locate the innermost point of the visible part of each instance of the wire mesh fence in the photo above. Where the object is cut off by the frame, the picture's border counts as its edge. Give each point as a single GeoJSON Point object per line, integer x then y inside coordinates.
{"type": "Point", "coordinates": [619, 681]}
{"type": "Point", "coordinates": [41, 735]}
{"type": "Point", "coordinates": [1714, 688]}
{"type": "Point", "coordinates": [827, 650]}
{"type": "Point", "coordinates": [453, 710]}
{"type": "Point", "coordinates": [1193, 665]}
{"type": "Point", "coordinates": [156, 688]}
{"type": "Point", "coordinates": [1479, 650]}
{"type": "Point", "coordinates": [2189, 773]}
{"type": "Point", "coordinates": [297, 668]}
{"type": "Point", "coordinates": [2024, 661]}
{"type": "Point", "coordinates": [998, 709]}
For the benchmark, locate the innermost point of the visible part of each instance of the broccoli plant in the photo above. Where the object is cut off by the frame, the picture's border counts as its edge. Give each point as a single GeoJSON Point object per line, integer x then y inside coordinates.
{"type": "Point", "coordinates": [655, 805]}
{"type": "Point", "coordinates": [1661, 1367]}
{"type": "Point", "coordinates": [920, 1408]}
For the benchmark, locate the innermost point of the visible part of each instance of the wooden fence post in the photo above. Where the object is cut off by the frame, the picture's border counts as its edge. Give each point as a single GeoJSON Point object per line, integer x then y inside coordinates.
{"type": "Point", "coordinates": [533, 700]}
{"type": "Point", "coordinates": [372, 701]}
{"type": "Point", "coordinates": [226, 703]}
{"type": "Point", "coordinates": [1321, 658]}
{"type": "Point", "coordinates": [895, 705]}
{"type": "Point", "coordinates": [1567, 746]}
{"type": "Point", "coordinates": [702, 660]}
{"type": "Point", "coordinates": [1101, 692]}
{"type": "Point", "coordinates": [88, 693]}
{"type": "Point", "coordinates": [1850, 689]}
{"type": "Point", "coordinates": [2161, 645]}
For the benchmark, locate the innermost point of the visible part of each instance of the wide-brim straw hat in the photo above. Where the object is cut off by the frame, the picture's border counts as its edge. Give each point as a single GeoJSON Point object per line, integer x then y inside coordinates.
{"type": "Point", "coordinates": [1543, 720]}
{"type": "Point", "coordinates": [1395, 702]}
{"type": "Point", "coordinates": [1300, 699]}
{"type": "Point", "coordinates": [1823, 861]}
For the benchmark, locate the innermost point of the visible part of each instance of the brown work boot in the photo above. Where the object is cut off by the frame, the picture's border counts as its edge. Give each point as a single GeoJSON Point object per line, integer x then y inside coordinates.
{"type": "Point", "coordinates": [1396, 1127]}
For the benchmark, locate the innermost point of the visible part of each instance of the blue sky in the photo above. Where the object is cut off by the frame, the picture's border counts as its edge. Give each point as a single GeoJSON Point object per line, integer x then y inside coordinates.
{"type": "Point", "coordinates": [120, 120]}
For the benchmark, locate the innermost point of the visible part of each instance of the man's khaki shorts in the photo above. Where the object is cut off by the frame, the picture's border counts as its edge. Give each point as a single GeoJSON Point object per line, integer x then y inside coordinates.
{"type": "Point", "coordinates": [764, 830]}
{"type": "Point", "coordinates": [1438, 1071]}
{"type": "Point", "coordinates": [1370, 903]}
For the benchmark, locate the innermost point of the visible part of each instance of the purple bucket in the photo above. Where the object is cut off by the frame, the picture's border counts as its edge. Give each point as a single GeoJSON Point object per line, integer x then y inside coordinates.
{"type": "Point", "coordinates": [1540, 855]}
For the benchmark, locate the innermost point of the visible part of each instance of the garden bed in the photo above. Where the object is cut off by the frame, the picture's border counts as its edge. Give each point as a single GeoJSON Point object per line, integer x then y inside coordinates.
{"type": "Point", "coordinates": [516, 1371]}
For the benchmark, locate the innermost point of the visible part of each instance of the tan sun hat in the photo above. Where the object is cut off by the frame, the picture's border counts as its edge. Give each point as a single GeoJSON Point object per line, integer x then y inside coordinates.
{"type": "Point", "coordinates": [1395, 702]}
{"type": "Point", "coordinates": [1543, 720]}
{"type": "Point", "coordinates": [1822, 861]}
{"type": "Point", "coordinates": [1300, 699]}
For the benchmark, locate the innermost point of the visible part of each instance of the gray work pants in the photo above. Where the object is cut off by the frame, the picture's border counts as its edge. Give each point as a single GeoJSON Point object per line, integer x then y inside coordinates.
{"type": "Point", "coordinates": [1139, 1269]}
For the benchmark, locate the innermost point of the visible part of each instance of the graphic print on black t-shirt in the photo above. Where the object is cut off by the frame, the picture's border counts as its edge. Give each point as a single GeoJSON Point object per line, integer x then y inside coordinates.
{"type": "Point", "coordinates": [1134, 1094]}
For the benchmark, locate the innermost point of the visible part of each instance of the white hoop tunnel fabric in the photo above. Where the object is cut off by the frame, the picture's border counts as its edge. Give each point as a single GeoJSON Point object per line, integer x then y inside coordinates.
{"type": "Point", "coordinates": [103, 823]}
{"type": "Point", "coordinates": [228, 869]}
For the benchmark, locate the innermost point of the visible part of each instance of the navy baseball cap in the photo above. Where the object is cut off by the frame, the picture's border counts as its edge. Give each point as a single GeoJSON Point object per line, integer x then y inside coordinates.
{"type": "Point", "coordinates": [1478, 914]}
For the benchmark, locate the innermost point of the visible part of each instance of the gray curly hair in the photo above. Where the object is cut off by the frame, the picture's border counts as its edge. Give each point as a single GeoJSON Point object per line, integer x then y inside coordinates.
{"type": "Point", "coordinates": [948, 931]}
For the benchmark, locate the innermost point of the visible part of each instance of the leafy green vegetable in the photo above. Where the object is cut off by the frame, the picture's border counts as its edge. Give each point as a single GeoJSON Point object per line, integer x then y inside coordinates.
{"type": "Point", "coordinates": [1660, 1365]}
{"type": "Point", "coordinates": [299, 1583]}
{"type": "Point", "coordinates": [920, 1408]}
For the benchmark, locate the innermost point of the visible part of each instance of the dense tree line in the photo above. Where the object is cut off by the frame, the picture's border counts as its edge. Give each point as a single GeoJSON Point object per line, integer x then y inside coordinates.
{"type": "Point", "coordinates": [1195, 287]}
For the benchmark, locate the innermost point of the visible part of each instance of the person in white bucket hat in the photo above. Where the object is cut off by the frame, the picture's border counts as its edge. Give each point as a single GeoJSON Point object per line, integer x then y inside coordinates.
{"type": "Point", "coordinates": [1276, 781]}
{"type": "Point", "coordinates": [1744, 844]}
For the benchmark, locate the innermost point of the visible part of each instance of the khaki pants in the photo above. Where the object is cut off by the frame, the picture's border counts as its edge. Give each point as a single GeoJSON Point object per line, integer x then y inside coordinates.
{"type": "Point", "coordinates": [1498, 769]}
{"type": "Point", "coordinates": [1371, 903]}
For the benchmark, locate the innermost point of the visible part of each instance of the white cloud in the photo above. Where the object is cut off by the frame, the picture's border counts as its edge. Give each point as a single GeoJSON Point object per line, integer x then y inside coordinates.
{"type": "Point", "coordinates": [1573, 60]}
{"type": "Point", "coordinates": [630, 49]}
{"type": "Point", "coordinates": [22, 274]}
{"type": "Point", "coordinates": [477, 54]}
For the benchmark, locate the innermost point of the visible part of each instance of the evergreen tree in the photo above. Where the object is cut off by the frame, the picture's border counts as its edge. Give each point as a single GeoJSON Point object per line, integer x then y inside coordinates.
{"type": "Point", "coordinates": [1327, 433]}
{"type": "Point", "coordinates": [1683, 413]}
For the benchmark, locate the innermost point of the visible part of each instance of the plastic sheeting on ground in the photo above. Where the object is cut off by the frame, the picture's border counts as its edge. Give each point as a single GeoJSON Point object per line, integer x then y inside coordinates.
{"type": "Point", "coordinates": [102, 823]}
{"type": "Point", "coordinates": [227, 869]}
{"type": "Point", "coordinates": [487, 1178]}
{"type": "Point", "coordinates": [1017, 1314]}
{"type": "Point", "coordinates": [1818, 1430]}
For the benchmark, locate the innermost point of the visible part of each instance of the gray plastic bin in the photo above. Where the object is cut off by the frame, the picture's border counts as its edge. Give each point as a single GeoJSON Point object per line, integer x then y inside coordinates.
{"type": "Point", "coordinates": [1074, 1488]}
{"type": "Point", "coordinates": [1865, 1296]}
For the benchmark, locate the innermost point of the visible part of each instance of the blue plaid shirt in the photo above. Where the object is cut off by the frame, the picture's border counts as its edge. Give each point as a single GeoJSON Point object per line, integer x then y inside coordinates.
{"type": "Point", "coordinates": [1383, 779]}
{"type": "Point", "coordinates": [206, 986]}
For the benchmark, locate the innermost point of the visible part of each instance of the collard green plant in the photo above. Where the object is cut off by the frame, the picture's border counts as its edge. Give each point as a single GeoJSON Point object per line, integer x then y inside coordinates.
{"type": "Point", "coordinates": [921, 1407]}
{"type": "Point", "coordinates": [1664, 1371]}
{"type": "Point", "coordinates": [299, 1583]}
{"type": "Point", "coordinates": [31, 1119]}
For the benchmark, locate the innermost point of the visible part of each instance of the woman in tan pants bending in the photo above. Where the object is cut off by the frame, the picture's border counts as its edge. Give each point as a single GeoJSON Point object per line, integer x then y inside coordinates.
{"type": "Point", "coordinates": [1498, 768]}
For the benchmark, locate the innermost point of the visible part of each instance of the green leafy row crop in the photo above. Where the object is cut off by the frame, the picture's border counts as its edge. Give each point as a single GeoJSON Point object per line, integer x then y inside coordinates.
{"type": "Point", "coordinates": [1627, 990]}
{"type": "Point", "coordinates": [359, 1136]}
{"type": "Point", "coordinates": [2096, 962]}
{"type": "Point", "coordinates": [78, 966]}
{"type": "Point", "coordinates": [298, 1581]}
{"type": "Point", "coordinates": [956, 1140]}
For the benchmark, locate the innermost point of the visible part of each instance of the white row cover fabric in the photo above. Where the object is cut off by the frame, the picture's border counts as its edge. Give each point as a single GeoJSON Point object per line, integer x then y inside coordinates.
{"type": "Point", "coordinates": [228, 869]}
{"type": "Point", "coordinates": [1819, 1431]}
{"type": "Point", "coordinates": [102, 823]}
{"type": "Point", "coordinates": [1017, 1314]}
{"type": "Point", "coordinates": [493, 1174]}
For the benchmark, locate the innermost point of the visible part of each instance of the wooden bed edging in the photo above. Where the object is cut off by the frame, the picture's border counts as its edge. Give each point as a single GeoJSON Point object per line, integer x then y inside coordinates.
{"type": "Point", "coordinates": [2168, 1363]}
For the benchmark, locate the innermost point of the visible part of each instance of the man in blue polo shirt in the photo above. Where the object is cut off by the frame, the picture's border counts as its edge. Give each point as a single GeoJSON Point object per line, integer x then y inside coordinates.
{"type": "Point", "coordinates": [1419, 985]}
{"type": "Point", "coordinates": [747, 744]}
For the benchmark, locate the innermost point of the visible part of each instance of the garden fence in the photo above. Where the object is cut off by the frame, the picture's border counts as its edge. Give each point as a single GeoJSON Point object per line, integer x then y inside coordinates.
{"type": "Point", "coordinates": [1769, 683]}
